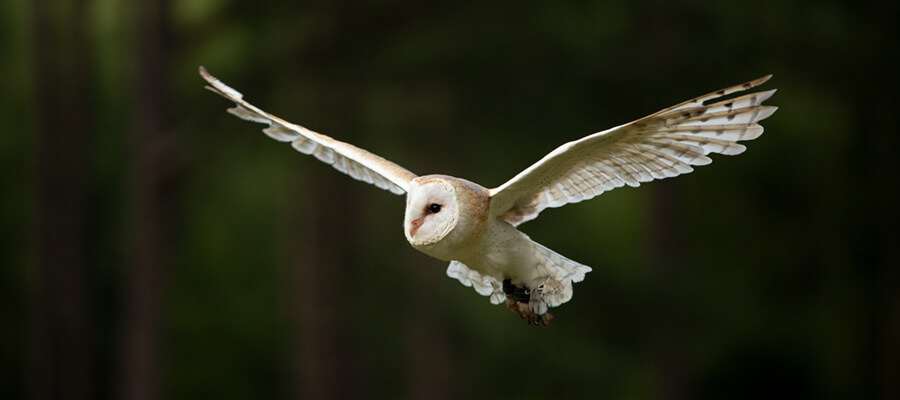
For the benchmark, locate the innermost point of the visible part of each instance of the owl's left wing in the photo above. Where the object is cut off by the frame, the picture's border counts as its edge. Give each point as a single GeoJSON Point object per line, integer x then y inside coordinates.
{"type": "Point", "coordinates": [347, 158]}
{"type": "Point", "coordinates": [661, 145]}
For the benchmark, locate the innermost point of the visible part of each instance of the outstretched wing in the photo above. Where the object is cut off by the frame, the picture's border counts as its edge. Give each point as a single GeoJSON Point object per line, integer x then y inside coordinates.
{"type": "Point", "coordinates": [347, 158]}
{"type": "Point", "coordinates": [658, 146]}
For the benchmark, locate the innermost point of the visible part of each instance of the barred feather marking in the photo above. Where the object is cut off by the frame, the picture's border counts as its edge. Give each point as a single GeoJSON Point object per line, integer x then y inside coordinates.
{"type": "Point", "coordinates": [745, 115]}
{"type": "Point", "coordinates": [747, 100]}
{"type": "Point", "coordinates": [734, 133]}
{"type": "Point", "coordinates": [698, 101]}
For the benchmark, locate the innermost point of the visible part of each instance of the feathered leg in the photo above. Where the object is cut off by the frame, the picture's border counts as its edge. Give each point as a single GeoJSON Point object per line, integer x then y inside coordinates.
{"type": "Point", "coordinates": [518, 299]}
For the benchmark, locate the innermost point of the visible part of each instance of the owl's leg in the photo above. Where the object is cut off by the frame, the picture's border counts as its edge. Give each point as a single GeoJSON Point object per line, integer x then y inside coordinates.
{"type": "Point", "coordinates": [522, 301]}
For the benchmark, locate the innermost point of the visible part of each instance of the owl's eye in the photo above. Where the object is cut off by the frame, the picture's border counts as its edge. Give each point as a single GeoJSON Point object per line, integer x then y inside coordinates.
{"type": "Point", "coordinates": [434, 208]}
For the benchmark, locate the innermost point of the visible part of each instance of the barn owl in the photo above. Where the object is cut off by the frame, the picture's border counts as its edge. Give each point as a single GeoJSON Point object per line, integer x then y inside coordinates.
{"type": "Point", "coordinates": [475, 228]}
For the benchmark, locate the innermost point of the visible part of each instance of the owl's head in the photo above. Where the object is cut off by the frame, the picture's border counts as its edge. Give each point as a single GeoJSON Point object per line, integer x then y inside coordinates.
{"type": "Point", "coordinates": [432, 210]}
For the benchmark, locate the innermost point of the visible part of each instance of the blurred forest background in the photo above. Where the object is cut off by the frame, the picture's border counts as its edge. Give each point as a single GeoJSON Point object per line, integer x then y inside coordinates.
{"type": "Point", "coordinates": [155, 247]}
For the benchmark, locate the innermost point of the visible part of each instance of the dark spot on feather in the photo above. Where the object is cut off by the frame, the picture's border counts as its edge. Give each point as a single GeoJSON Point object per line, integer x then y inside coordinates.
{"type": "Point", "coordinates": [730, 104]}
{"type": "Point", "coordinates": [747, 85]}
{"type": "Point", "coordinates": [704, 119]}
{"type": "Point", "coordinates": [731, 117]}
{"type": "Point", "coordinates": [719, 132]}
{"type": "Point", "coordinates": [721, 92]}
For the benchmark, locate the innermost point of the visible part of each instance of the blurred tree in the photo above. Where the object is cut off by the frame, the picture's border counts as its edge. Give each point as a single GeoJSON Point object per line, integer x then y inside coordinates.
{"type": "Point", "coordinates": [62, 364]}
{"type": "Point", "coordinates": [664, 244]}
{"type": "Point", "coordinates": [150, 202]}
{"type": "Point", "coordinates": [315, 291]}
{"type": "Point", "coordinates": [429, 358]}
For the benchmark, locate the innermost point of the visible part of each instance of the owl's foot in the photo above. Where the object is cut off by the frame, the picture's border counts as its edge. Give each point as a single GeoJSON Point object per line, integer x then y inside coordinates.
{"type": "Point", "coordinates": [519, 299]}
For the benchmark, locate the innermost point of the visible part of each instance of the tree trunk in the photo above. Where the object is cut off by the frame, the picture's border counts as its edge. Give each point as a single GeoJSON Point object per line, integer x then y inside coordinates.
{"type": "Point", "coordinates": [664, 245]}
{"type": "Point", "coordinates": [313, 304]}
{"type": "Point", "coordinates": [429, 360]}
{"type": "Point", "coordinates": [62, 365]}
{"type": "Point", "coordinates": [149, 203]}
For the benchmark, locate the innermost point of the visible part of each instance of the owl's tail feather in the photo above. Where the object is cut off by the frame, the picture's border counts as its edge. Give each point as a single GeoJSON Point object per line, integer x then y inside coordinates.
{"type": "Point", "coordinates": [549, 283]}
{"type": "Point", "coordinates": [552, 285]}
{"type": "Point", "coordinates": [484, 284]}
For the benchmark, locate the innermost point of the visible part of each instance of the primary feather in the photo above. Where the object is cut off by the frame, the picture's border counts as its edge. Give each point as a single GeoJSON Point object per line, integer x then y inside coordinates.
{"type": "Point", "coordinates": [347, 158]}
{"type": "Point", "coordinates": [662, 145]}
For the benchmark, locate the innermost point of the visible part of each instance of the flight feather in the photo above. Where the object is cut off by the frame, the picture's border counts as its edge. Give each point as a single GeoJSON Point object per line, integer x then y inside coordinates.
{"type": "Point", "coordinates": [662, 145]}
{"type": "Point", "coordinates": [347, 158]}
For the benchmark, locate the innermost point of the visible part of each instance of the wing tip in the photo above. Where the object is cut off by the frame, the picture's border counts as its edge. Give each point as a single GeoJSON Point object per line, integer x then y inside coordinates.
{"type": "Point", "coordinates": [218, 86]}
{"type": "Point", "coordinates": [765, 112]}
{"type": "Point", "coordinates": [205, 74]}
{"type": "Point", "coordinates": [756, 82]}
{"type": "Point", "coordinates": [765, 95]}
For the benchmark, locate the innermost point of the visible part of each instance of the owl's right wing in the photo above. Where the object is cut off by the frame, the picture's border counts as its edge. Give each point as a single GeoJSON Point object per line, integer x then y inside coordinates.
{"type": "Point", "coordinates": [661, 145]}
{"type": "Point", "coordinates": [347, 158]}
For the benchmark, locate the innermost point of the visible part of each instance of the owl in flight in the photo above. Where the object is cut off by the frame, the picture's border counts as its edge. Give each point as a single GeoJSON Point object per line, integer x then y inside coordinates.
{"type": "Point", "coordinates": [474, 228]}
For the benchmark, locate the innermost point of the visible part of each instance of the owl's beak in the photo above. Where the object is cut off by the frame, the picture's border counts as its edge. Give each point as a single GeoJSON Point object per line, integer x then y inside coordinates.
{"type": "Point", "coordinates": [415, 225]}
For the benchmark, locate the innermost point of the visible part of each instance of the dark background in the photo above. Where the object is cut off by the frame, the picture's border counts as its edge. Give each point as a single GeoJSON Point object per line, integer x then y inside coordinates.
{"type": "Point", "coordinates": [155, 247]}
